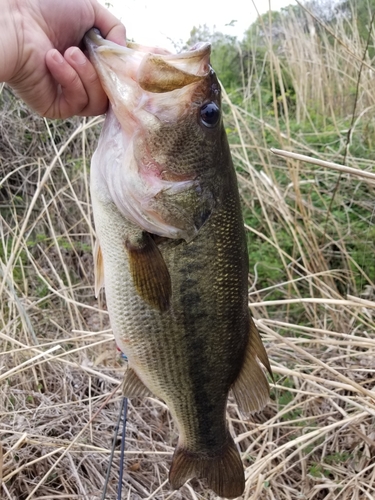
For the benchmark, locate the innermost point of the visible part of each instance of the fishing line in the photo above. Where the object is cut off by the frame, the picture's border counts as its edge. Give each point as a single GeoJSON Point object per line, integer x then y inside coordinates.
{"type": "Point", "coordinates": [123, 412]}
{"type": "Point", "coordinates": [111, 456]}
{"type": "Point", "coordinates": [122, 451]}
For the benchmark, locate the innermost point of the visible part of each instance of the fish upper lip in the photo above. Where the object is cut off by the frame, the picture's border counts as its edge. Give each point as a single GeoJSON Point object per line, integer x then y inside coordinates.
{"type": "Point", "coordinates": [94, 40]}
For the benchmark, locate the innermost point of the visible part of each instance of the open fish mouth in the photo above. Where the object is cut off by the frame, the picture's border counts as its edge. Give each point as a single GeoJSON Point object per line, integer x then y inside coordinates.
{"type": "Point", "coordinates": [155, 69]}
{"type": "Point", "coordinates": [154, 170]}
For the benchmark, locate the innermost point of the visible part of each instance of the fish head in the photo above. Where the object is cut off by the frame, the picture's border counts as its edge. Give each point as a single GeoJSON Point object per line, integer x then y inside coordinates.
{"type": "Point", "coordinates": [163, 141]}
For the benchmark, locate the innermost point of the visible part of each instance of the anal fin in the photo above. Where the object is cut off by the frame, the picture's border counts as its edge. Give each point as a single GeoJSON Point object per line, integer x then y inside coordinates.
{"type": "Point", "coordinates": [149, 271]}
{"type": "Point", "coordinates": [133, 386]}
{"type": "Point", "coordinates": [98, 268]}
{"type": "Point", "coordinates": [251, 388]}
{"type": "Point", "coordinates": [223, 472]}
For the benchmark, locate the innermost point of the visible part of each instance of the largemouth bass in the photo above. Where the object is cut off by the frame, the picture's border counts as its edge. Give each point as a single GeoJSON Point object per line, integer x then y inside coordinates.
{"type": "Point", "coordinates": [171, 251]}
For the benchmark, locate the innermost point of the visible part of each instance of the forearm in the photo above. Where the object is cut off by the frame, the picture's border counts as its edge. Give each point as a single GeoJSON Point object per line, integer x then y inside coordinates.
{"type": "Point", "coordinates": [10, 24]}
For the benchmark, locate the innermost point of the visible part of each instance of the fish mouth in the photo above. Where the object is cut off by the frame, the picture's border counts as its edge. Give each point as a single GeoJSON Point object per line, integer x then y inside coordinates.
{"type": "Point", "coordinates": [155, 70]}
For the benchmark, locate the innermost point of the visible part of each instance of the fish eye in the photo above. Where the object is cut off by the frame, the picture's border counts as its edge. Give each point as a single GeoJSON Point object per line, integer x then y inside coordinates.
{"type": "Point", "coordinates": [210, 114]}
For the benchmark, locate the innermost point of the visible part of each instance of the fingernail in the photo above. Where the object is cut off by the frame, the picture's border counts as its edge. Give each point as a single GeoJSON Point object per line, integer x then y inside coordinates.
{"type": "Point", "coordinates": [77, 56]}
{"type": "Point", "coordinates": [57, 57]}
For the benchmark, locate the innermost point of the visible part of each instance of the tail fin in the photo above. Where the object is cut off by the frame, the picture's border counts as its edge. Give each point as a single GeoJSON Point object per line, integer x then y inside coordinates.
{"type": "Point", "coordinates": [223, 472]}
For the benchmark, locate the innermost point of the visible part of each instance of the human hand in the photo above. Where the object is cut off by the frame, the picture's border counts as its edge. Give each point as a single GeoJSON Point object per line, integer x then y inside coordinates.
{"type": "Point", "coordinates": [40, 56]}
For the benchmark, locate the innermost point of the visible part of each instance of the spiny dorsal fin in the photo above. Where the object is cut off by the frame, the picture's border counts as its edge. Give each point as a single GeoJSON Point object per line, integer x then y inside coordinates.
{"type": "Point", "coordinates": [251, 388]}
{"type": "Point", "coordinates": [98, 268]}
{"type": "Point", "coordinates": [223, 471]}
{"type": "Point", "coordinates": [133, 386]}
{"type": "Point", "coordinates": [149, 271]}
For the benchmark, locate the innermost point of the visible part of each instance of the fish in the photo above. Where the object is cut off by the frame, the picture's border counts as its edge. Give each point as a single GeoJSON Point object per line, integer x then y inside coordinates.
{"type": "Point", "coordinates": [171, 251]}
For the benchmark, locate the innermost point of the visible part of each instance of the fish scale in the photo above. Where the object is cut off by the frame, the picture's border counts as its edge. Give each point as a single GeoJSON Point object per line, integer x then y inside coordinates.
{"type": "Point", "coordinates": [177, 298]}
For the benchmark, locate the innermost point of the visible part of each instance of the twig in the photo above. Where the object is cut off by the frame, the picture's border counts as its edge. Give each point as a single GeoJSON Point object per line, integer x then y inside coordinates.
{"type": "Point", "coordinates": [323, 163]}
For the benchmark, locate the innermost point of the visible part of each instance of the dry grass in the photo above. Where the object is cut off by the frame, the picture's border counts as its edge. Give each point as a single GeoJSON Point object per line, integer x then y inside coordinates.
{"type": "Point", "coordinates": [59, 368]}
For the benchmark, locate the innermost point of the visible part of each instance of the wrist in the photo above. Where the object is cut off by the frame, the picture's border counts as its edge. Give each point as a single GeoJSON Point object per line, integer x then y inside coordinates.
{"type": "Point", "coordinates": [10, 27]}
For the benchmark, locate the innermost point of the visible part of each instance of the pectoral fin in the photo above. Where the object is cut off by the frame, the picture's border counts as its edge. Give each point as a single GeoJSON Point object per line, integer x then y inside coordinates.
{"type": "Point", "coordinates": [149, 271]}
{"type": "Point", "coordinates": [98, 268]}
{"type": "Point", "coordinates": [133, 386]}
{"type": "Point", "coordinates": [251, 388]}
